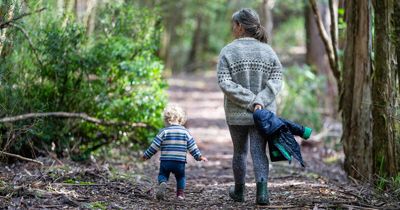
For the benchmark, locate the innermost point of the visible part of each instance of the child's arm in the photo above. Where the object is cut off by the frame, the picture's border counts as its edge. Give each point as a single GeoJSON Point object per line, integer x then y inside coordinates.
{"type": "Point", "coordinates": [154, 147]}
{"type": "Point", "coordinates": [194, 150]}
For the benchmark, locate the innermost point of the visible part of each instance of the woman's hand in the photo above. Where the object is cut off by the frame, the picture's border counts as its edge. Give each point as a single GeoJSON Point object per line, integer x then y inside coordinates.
{"type": "Point", "coordinates": [257, 107]}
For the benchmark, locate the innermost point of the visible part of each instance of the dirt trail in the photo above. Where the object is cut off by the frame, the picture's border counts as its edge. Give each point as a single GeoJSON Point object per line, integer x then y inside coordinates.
{"type": "Point", "coordinates": [126, 183]}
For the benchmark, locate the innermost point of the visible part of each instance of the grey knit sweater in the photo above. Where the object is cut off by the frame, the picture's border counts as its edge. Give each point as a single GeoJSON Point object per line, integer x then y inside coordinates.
{"type": "Point", "coordinates": [249, 73]}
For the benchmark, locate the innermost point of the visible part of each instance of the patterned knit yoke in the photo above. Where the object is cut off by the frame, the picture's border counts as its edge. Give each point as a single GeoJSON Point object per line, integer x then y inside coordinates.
{"type": "Point", "coordinates": [174, 142]}
{"type": "Point", "coordinates": [249, 72]}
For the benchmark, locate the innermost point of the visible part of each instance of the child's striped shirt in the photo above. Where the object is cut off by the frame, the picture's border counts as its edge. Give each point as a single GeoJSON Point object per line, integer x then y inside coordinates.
{"type": "Point", "coordinates": [174, 141]}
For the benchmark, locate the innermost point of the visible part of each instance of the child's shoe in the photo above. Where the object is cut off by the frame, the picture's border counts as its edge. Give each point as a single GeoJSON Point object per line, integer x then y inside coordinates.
{"type": "Point", "coordinates": [162, 187]}
{"type": "Point", "coordinates": [180, 194]}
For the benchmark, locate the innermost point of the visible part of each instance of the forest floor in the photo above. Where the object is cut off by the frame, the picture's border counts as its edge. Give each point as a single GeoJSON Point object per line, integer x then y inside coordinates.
{"type": "Point", "coordinates": [126, 183]}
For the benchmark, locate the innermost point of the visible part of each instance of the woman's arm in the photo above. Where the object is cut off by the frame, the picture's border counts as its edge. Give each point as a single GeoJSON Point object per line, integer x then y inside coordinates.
{"type": "Point", "coordinates": [274, 86]}
{"type": "Point", "coordinates": [234, 92]}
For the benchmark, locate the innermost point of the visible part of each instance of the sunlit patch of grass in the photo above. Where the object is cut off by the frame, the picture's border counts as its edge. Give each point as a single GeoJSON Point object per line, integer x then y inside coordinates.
{"type": "Point", "coordinates": [331, 159]}
{"type": "Point", "coordinates": [97, 205]}
{"type": "Point", "coordinates": [74, 181]}
{"type": "Point", "coordinates": [312, 175]}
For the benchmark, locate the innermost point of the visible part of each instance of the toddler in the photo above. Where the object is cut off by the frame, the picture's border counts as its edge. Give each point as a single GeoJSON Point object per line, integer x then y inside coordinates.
{"type": "Point", "coordinates": [174, 141]}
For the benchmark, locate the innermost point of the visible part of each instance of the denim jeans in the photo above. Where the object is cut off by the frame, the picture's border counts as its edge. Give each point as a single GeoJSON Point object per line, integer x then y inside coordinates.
{"type": "Point", "coordinates": [175, 167]}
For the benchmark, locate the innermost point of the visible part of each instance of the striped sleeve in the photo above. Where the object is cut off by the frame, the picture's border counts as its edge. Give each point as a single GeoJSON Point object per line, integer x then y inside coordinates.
{"type": "Point", "coordinates": [155, 145]}
{"type": "Point", "coordinates": [192, 147]}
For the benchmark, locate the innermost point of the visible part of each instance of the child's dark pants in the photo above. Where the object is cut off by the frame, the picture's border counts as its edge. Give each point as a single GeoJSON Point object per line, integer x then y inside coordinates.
{"type": "Point", "coordinates": [175, 167]}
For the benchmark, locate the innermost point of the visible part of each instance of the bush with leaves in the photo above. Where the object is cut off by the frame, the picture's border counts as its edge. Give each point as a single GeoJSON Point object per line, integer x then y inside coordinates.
{"type": "Point", "coordinates": [301, 104]}
{"type": "Point", "coordinates": [113, 74]}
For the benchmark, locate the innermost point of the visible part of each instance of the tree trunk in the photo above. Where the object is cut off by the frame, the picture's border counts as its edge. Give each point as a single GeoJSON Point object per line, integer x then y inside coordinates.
{"type": "Point", "coordinates": [267, 19]}
{"type": "Point", "coordinates": [383, 96]}
{"type": "Point", "coordinates": [355, 102]}
{"type": "Point", "coordinates": [316, 56]}
{"type": "Point", "coordinates": [60, 6]}
{"type": "Point", "coordinates": [396, 78]}
{"type": "Point", "coordinates": [191, 63]}
{"type": "Point", "coordinates": [172, 18]}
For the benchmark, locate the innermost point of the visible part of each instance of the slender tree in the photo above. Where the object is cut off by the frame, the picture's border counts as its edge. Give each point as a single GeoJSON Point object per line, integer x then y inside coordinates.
{"type": "Point", "coordinates": [316, 55]}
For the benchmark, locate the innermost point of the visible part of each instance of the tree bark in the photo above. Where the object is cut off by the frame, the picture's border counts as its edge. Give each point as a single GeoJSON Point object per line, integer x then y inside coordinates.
{"type": "Point", "coordinates": [383, 96]}
{"type": "Point", "coordinates": [356, 98]}
{"type": "Point", "coordinates": [396, 79]}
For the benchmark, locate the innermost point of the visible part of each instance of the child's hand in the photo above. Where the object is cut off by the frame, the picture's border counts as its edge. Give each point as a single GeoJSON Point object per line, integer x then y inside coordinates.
{"type": "Point", "coordinates": [143, 158]}
{"type": "Point", "coordinates": [204, 159]}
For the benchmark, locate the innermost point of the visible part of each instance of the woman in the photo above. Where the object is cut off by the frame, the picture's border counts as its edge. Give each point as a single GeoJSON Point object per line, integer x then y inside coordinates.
{"type": "Point", "coordinates": [250, 75]}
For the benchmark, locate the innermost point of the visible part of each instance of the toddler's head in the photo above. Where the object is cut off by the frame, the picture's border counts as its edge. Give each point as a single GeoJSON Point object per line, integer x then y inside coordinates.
{"type": "Point", "coordinates": [174, 115]}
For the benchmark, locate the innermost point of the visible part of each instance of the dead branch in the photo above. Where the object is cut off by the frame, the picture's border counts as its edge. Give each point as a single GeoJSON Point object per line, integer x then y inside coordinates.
{"type": "Point", "coordinates": [20, 157]}
{"type": "Point", "coordinates": [326, 40]}
{"type": "Point", "coordinates": [8, 22]}
{"type": "Point", "coordinates": [334, 35]}
{"type": "Point", "coordinates": [34, 50]}
{"type": "Point", "coordinates": [82, 116]}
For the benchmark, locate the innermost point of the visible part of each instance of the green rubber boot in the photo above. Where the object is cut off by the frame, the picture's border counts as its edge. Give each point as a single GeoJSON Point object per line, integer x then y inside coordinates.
{"type": "Point", "coordinates": [237, 192]}
{"type": "Point", "coordinates": [262, 193]}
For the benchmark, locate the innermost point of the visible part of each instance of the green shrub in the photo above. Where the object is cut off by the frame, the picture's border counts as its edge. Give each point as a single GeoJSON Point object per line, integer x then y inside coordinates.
{"type": "Point", "coordinates": [113, 74]}
{"type": "Point", "coordinates": [300, 96]}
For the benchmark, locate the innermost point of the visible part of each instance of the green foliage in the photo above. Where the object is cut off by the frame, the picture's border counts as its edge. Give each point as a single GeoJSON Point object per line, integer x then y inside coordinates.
{"type": "Point", "coordinates": [391, 185]}
{"type": "Point", "coordinates": [97, 205]}
{"type": "Point", "coordinates": [290, 33]}
{"type": "Point", "coordinates": [113, 75]}
{"type": "Point", "coordinates": [300, 96]}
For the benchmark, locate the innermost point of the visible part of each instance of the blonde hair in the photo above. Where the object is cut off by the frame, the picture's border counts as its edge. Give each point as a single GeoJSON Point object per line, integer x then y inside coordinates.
{"type": "Point", "coordinates": [174, 114]}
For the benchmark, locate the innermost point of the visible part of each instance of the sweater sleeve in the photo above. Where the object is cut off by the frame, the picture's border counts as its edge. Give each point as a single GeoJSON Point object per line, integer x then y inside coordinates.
{"type": "Point", "coordinates": [155, 145]}
{"type": "Point", "coordinates": [234, 92]}
{"type": "Point", "coordinates": [273, 86]}
{"type": "Point", "coordinates": [192, 148]}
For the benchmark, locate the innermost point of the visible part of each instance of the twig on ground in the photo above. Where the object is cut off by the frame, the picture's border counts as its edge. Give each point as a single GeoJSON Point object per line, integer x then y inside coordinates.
{"type": "Point", "coordinates": [351, 203]}
{"type": "Point", "coordinates": [278, 207]}
{"type": "Point", "coordinates": [50, 206]}
{"type": "Point", "coordinates": [20, 157]}
{"type": "Point", "coordinates": [77, 184]}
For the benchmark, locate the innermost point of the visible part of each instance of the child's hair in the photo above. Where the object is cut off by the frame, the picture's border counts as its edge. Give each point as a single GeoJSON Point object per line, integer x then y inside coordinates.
{"type": "Point", "coordinates": [174, 114]}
